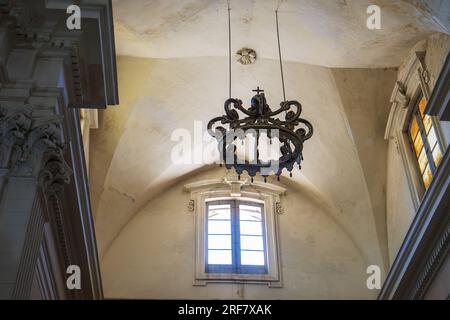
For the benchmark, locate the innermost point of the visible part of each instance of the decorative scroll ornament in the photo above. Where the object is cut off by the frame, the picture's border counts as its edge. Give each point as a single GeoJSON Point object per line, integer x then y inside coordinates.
{"type": "Point", "coordinates": [260, 120]}
{"type": "Point", "coordinates": [279, 208]}
{"type": "Point", "coordinates": [191, 205]}
{"type": "Point", "coordinates": [55, 172]}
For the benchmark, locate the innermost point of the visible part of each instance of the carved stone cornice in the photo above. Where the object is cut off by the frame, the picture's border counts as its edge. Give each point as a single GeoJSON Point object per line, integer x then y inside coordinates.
{"type": "Point", "coordinates": [43, 28]}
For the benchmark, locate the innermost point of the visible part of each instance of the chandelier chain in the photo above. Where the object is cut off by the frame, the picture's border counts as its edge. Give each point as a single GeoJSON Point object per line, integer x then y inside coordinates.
{"type": "Point", "coordinates": [279, 55]}
{"type": "Point", "coordinates": [229, 48]}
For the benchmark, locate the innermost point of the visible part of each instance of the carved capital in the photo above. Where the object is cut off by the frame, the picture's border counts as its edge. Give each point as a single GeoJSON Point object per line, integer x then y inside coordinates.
{"type": "Point", "coordinates": [31, 145]}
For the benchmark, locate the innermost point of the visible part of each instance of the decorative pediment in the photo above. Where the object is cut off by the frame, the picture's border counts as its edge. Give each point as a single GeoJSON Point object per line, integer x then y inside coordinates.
{"type": "Point", "coordinates": [414, 75]}
{"type": "Point", "coordinates": [234, 186]}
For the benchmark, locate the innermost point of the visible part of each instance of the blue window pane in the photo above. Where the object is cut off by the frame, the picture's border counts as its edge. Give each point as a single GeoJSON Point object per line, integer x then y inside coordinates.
{"type": "Point", "coordinates": [219, 212]}
{"type": "Point", "coordinates": [251, 228]}
{"type": "Point", "coordinates": [219, 257]}
{"type": "Point", "coordinates": [219, 227]}
{"type": "Point", "coordinates": [250, 213]}
{"type": "Point", "coordinates": [219, 242]}
{"type": "Point", "coordinates": [252, 243]}
{"type": "Point", "coordinates": [252, 258]}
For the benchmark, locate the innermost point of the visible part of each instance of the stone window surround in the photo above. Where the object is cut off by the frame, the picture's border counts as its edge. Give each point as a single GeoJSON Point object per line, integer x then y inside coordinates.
{"type": "Point", "coordinates": [414, 80]}
{"type": "Point", "coordinates": [232, 188]}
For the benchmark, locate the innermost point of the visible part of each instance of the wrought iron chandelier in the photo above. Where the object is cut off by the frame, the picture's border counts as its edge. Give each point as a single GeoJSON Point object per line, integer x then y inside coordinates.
{"type": "Point", "coordinates": [260, 120]}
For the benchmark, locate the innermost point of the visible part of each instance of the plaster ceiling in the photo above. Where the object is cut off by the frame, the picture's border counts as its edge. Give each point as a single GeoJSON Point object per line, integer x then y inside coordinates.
{"type": "Point", "coordinates": [329, 33]}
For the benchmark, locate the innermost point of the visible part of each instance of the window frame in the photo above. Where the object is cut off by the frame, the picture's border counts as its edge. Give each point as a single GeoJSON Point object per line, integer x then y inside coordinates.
{"type": "Point", "coordinates": [231, 188]}
{"type": "Point", "coordinates": [236, 267]}
{"type": "Point", "coordinates": [411, 85]}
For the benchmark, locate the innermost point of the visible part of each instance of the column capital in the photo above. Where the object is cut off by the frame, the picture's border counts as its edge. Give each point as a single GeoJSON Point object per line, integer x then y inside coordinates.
{"type": "Point", "coordinates": [31, 146]}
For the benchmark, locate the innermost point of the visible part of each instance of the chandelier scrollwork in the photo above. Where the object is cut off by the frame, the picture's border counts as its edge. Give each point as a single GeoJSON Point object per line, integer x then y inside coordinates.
{"type": "Point", "coordinates": [259, 118]}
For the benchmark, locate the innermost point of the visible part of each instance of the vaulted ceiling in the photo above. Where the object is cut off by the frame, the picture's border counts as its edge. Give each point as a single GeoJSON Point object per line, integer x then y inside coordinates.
{"type": "Point", "coordinates": [177, 74]}
{"type": "Point", "coordinates": [320, 32]}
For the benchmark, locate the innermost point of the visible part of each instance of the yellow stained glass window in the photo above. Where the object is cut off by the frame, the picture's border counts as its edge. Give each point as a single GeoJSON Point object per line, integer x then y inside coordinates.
{"type": "Point", "coordinates": [427, 176]}
{"type": "Point", "coordinates": [427, 123]}
{"type": "Point", "coordinates": [414, 129]}
{"type": "Point", "coordinates": [418, 145]}
{"type": "Point", "coordinates": [423, 160]}
{"type": "Point", "coordinates": [424, 142]}
{"type": "Point", "coordinates": [432, 139]}
{"type": "Point", "coordinates": [437, 155]}
{"type": "Point", "coordinates": [422, 106]}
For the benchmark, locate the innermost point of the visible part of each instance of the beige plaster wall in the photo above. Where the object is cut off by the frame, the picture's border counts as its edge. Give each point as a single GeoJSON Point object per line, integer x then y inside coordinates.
{"type": "Point", "coordinates": [153, 256]}
{"type": "Point", "coordinates": [112, 123]}
{"type": "Point", "coordinates": [365, 95]}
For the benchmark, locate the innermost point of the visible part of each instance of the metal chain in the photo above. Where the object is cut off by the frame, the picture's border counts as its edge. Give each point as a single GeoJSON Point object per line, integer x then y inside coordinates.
{"type": "Point", "coordinates": [279, 54]}
{"type": "Point", "coordinates": [229, 47]}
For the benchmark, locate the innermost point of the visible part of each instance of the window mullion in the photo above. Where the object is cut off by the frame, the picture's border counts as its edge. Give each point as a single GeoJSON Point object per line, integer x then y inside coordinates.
{"type": "Point", "coordinates": [426, 145]}
{"type": "Point", "coordinates": [205, 234]}
{"type": "Point", "coordinates": [235, 245]}
{"type": "Point", "coordinates": [264, 236]}
{"type": "Point", "coordinates": [238, 239]}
